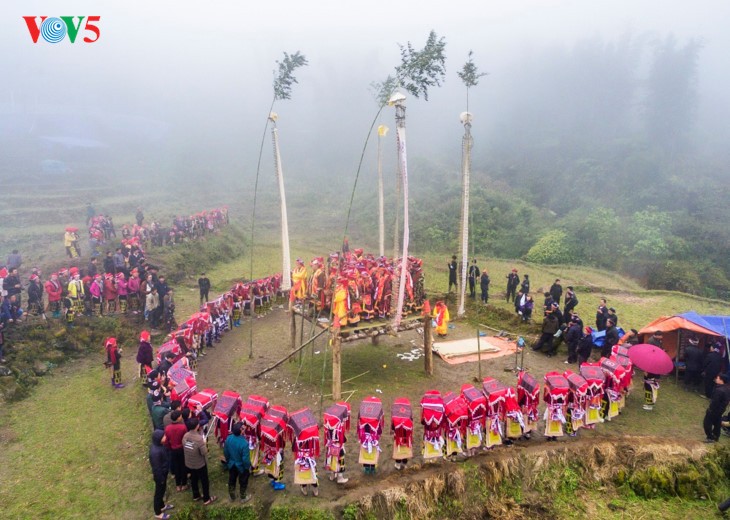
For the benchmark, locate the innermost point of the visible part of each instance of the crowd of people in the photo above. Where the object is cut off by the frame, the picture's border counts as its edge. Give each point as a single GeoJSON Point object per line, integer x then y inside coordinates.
{"type": "Point", "coordinates": [121, 281]}
{"type": "Point", "coordinates": [124, 283]}
{"type": "Point", "coordinates": [181, 418]}
{"type": "Point", "coordinates": [356, 286]}
{"type": "Point", "coordinates": [101, 230]}
{"type": "Point", "coordinates": [253, 433]}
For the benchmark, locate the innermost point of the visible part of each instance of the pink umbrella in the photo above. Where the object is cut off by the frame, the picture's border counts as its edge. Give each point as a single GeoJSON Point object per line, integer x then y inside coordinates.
{"type": "Point", "coordinates": [651, 359]}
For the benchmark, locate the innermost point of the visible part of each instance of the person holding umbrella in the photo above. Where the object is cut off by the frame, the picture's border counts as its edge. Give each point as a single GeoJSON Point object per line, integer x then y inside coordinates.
{"type": "Point", "coordinates": [652, 359]}
{"type": "Point", "coordinates": [718, 403]}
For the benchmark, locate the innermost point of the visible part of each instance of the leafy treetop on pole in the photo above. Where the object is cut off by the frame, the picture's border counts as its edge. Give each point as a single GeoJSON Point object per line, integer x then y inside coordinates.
{"type": "Point", "coordinates": [469, 73]}
{"type": "Point", "coordinates": [422, 69]}
{"type": "Point", "coordinates": [419, 69]}
{"type": "Point", "coordinates": [284, 77]}
{"type": "Point", "coordinates": [382, 90]}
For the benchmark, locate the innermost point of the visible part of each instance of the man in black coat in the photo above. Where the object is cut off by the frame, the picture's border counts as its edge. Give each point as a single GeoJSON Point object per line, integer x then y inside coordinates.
{"type": "Point", "coordinates": [525, 287]}
{"type": "Point", "coordinates": [13, 286]}
{"type": "Point", "coordinates": [550, 326]}
{"type": "Point", "coordinates": [484, 286]}
{"type": "Point", "coordinates": [571, 301]}
{"type": "Point", "coordinates": [160, 462]}
{"type": "Point", "coordinates": [711, 368]}
{"type": "Point", "coordinates": [474, 274]}
{"type": "Point", "coordinates": [601, 315]}
{"type": "Point", "coordinates": [693, 360]}
{"type": "Point", "coordinates": [162, 287]}
{"type": "Point", "coordinates": [612, 315]}
{"type": "Point", "coordinates": [109, 263]}
{"type": "Point", "coordinates": [556, 290]}
{"type": "Point", "coordinates": [719, 401]}
{"type": "Point", "coordinates": [513, 280]}
{"type": "Point", "coordinates": [547, 304]}
{"type": "Point", "coordinates": [452, 273]}
{"type": "Point", "coordinates": [572, 338]}
{"type": "Point", "coordinates": [611, 338]}
{"type": "Point", "coordinates": [203, 287]}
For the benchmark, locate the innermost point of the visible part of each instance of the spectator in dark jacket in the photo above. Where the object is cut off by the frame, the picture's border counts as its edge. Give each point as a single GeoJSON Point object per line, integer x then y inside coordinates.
{"type": "Point", "coordinates": [144, 354]}
{"type": "Point", "coordinates": [556, 290]}
{"type": "Point", "coordinates": [693, 358]}
{"type": "Point", "coordinates": [236, 452]}
{"type": "Point", "coordinates": [711, 368]}
{"type": "Point", "coordinates": [109, 263]}
{"type": "Point", "coordinates": [585, 347]}
{"type": "Point", "coordinates": [525, 287]}
{"type": "Point", "coordinates": [572, 338]}
{"type": "Point", "coordinates": [718, 404]}
{"type": "Point", "coordinates": [571, 301]}
{"type": "Point", "coordinates": [204, 287]}
{"type": "Point", "coordinates": [550, 326]}
{"type": "Point", "coordinates": [612, 315]}
{"type": "Point", "coordinates": [611, 338]}
{"type": "Point", "coordinates": [601, 315]}
{"type": "Point", "coordinates": [162, 287]}
{"type": "Point", "coordinates": [160, 462]}
{"type": "Point", "coordinates": [484, 285]}
{"type": "Point", "coordinates": [13, 286]}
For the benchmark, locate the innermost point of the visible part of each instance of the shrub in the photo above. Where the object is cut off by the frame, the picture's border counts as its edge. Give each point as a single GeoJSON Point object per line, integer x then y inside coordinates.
{"type": "Point", "coordinates": [553, 248]}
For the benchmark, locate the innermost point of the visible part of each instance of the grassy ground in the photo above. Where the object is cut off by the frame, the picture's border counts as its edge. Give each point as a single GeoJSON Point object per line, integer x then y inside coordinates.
{"type": "Point", "coordinates": [96, 461]}
{"type": "Point", "coordinates": [76, 449]}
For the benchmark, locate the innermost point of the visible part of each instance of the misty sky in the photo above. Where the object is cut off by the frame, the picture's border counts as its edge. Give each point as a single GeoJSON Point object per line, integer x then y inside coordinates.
{"type": "Point", "coordinates": [205, 68]}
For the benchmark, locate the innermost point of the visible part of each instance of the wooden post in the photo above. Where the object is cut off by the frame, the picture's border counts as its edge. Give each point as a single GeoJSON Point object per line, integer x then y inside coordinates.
{"type": "Point", "coordinates": [427, 345]}
{"type": "Point", "coordinates": [336, 366]}
{"type": "Point", "coordinates": [479, 354]}
{"type": "Point", "coordinates": [293, 329]}
{"type": "Point", "coordinates": [301, 334]}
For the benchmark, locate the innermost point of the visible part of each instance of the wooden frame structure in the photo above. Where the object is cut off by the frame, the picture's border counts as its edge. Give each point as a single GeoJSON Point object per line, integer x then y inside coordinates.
{"type": "Point", "coordinates": [371, 329]}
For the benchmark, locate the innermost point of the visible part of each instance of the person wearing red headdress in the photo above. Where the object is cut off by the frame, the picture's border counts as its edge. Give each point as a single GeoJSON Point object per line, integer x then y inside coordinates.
{"type": "Point", "coordinates": [76, 291]}
{"type": "Point", "coordinates": [114, 361]}
{"type": "Point", "coordinates": [96, 289]}
{"type": "Point", "coordinates": [317, 284]}
{"type": "Point", "coordinates": [441, 317]}
{"type": "Point", "coordinates": [299, 282]}
{"type": "Point", "coordinates": [110, 293]}
{"type": "Point", "coordinates": [133, 290]}
{"type": "Point", "coordinates": [339, 302]}
{"type": "Point", "coordinates": [144, 355]}
{"type": "Point", "coordinates": [54, 291]}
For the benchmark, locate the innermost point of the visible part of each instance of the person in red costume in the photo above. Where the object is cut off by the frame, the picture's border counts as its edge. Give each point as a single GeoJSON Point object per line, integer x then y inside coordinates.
{"type": "Point", "coordinates": [54, 290]}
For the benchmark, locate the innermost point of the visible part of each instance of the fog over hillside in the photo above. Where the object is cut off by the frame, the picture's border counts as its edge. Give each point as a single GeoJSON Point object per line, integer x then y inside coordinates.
{"type": "Point", "coordinates": [190, 83]}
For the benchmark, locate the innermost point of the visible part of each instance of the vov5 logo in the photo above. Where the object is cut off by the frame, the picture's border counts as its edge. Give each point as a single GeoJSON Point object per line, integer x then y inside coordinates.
{"type": "Point", "coordinates": [54, 29]}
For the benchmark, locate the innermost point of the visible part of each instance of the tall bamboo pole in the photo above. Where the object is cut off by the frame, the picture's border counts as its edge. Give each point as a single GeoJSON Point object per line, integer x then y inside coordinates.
{"type": "Point", "coordinates": [399, 101]}
{"type": "Point", "coordinates": [466, 143]}
{"type": "Point", "coordinates": [427, 340]}
{"type": "Point", "coordinates": [336, 366]}
{"type": "Point", "coordinates": [286, 254]}
{"type": "Point", "coordinates": [382, 131]}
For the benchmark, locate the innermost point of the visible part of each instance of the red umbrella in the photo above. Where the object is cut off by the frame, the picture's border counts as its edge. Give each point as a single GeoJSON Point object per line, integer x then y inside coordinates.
{"type": "Point", "coordinates": [651, 359]}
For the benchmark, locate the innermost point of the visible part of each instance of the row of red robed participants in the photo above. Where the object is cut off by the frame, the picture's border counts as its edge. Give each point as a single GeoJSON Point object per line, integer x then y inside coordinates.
{"type": "Point", "coordinates": [452, 423]}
